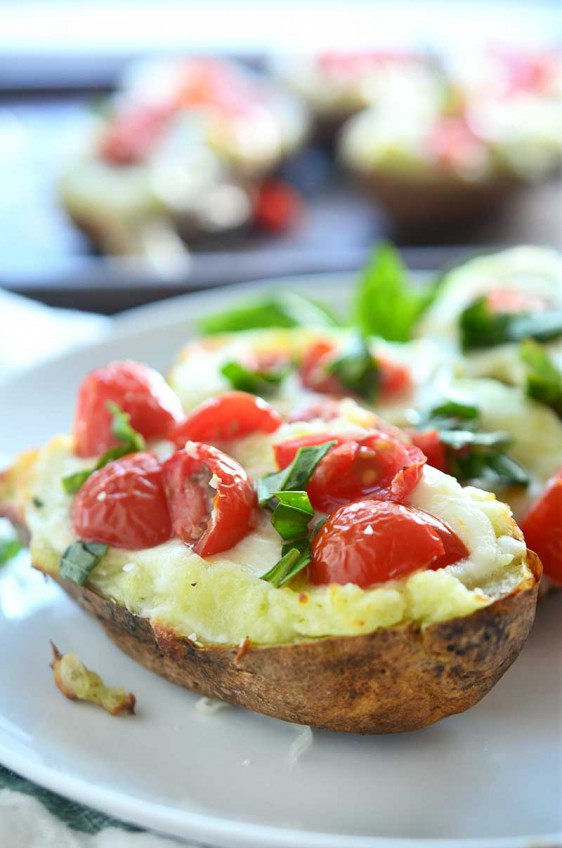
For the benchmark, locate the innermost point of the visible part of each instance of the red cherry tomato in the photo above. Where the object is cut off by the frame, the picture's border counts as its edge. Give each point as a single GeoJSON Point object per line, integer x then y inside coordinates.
{"type": "Point", "coordinates": [124, 504]}
{"type": "Point", "coordinates": [394, 377]}
{"type": "Point", "coordinates": [136, 389]}
{"type": "Point", "coordinates": [431, 446]}
{"type": "Point", "coordinates": [378, 465]}
{"type": "Point", "coordinates": [211, 499]}
{"type": "Point", "coordinates": [276, 207]}
{"type": "Point", "coordinates": [232, 415]}
{"type": "Point", "coordinates": [370, 542]}
{"type": "Point", "coordinates": [313, 368]}
{"type": "Point", "coordinates": [542, 528]}
{"type": "Point", "coordinates": [286, 451]}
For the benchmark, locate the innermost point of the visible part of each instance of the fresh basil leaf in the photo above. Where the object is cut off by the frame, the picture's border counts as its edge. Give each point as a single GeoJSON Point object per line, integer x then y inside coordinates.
{"type": "Point", "coordinates": [37, 502]}
{"type": "Point", "coordinates": [79, 559]}
{"type": "Point", "coordinates": [473, 455]}
{"type": "Point", "coordinates": [122, 430]}
{"type": "Point", "coordinates": [387, 303]}
{"type": "Point", "coordinates": [481, 327]}
{"type": "Point", "coordinates": [293, 561]}
{"type": "Point", "coordinates": [455, 409]}
{"type": "Point", "coordinates": [506, 471]}
{"type": "Point", "coordinates": [292, 514]}
{"type": "Point", "coordinates": [460, 439]}
{"type": "Point", "coordinates": [9, 548]}
{"type": "Point", "coordinates": [296, 476]}
{"type": "Point", "coordinates": [356, 368]}
{"type": "Point", "coordinates": [275, 309]}
{"type": "Point", "coordinates": [544, 379]}
{"type": "Point", "coordinates": [258, 382]}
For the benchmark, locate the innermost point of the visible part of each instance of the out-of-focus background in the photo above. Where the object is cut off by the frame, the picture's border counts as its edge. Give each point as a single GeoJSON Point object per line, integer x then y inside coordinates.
{"type": "Point", "coordinates": [150, 148]}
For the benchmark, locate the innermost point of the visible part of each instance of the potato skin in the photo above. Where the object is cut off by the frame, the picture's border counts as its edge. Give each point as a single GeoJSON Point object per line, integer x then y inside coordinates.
{"type": "Point", "coordinates": [397, 679]}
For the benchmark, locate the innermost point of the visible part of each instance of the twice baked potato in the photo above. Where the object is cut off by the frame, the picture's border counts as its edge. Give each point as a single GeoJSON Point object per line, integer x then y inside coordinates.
{"type": "Point", "coordinates": [405, 605]}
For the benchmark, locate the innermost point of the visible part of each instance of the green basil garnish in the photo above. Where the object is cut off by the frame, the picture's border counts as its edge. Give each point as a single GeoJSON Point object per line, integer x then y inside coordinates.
{"type": "Point", "coordinates": [79, 559]}
{"type": "Point", "coordinates": [131, 442]}
{"type": "Point", "coordinates": [292, 514]}
{"type": "Point", "coordinates": [290, 564]}
{"type": "Point", "coordinates": [257, 382]}
{"type": "Point", "coordinates": [9, 548]}
{"type": "Point", "coordinates": [275, 309]}
{"type": "Point", "coordinates": [388, 304]}
{"type": "Point", "coordinates": [295, 477]}
{"type": "Point", "coordinates": [284, 494]}
{"type": "Point", "coordinates": [473, 455]}
{"type": "Point", "coordinates": [356, 368]}
{"type": "Point", "coordinates": [544, 378]}
{"type": "Point", "coordinates": [481, 327]}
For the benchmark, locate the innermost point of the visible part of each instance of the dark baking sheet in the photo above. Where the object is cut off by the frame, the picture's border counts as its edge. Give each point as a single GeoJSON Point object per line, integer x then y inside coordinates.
{"type": "Point", "coordinates": [44, 256]}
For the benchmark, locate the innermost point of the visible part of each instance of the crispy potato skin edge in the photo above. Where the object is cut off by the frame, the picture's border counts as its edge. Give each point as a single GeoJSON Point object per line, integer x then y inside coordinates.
{"type": "Point", "coordinates": [392, 680]}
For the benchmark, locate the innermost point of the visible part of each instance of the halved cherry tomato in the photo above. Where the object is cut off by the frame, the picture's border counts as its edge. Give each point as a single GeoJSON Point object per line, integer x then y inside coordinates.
{"type": "Point", "coordinates": [231, 415]}
{"type": "Point", "coordinates": [542, 528]}
{"type": "Point", "coordinates": [508, 301]}
{"type": "Point", "coordinates": [313, 371]}
{"type": "Point", "coordinates": [286, 451]}
{"type": "Point", "coordinates": [370, 542]}
{"type": "Point", "coordinates": [124, 504]}
{"type": "Point", "coordinates": [394, 377]}
{"type": "Point", "coordinates": [211, 499]}
{"type": "Point", "coordinates": [136, 389]}
{"type": "Point", "coordinates": [429, 442]}
{"type": "Point", "coordinates": [378, 465]}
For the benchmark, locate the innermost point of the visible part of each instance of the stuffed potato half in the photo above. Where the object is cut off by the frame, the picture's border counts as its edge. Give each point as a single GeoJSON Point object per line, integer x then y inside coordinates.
{"type": "Point", "coordinates": [370, 655]}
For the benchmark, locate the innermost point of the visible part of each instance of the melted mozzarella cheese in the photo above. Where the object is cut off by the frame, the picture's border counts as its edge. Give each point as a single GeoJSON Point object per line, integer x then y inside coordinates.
{"type": "Point", "coordinates": [197, 376]}
{"type": "Point", "coordinates": [221, 599]}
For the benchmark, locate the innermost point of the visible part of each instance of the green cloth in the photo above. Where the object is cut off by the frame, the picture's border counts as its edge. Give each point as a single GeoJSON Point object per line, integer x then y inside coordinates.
{"type": "Point", "coordinates": [71, 813]}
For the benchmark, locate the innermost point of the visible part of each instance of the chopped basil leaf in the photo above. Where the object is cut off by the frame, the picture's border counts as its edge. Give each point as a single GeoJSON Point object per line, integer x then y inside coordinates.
{"type": "Point", "coordinates": [258, 382]}
{"type": "Point", "coordinates": [455, 409]}
{"type": "Point", "coordinates": [37, 502]}
{"type": "Point", "coordinates": [9, 548]}
{"type": "Point", "coordinates": [481, 327]}
{"type": "Point", "coordinates": [491, 469]}
{"type": "Point", "coordinates": [544, 378]}
{"type": "Point", "coordinates": [79, 559]}
{"type": "Point", "coordinates": [356, 368]}
{"type": "Point", "coordinates": [122, 430]}
{"type": "Point", "coordinates": [284, 493]}
{"type": "Point", "coordinates": [294, 560]}
{"type": "Point", "coordinates": [387, 303]}
{"type": "Point", "coordinates": [296, 476]}
{"type": "Point", "coordinates": [292, 514]}
{"type": "Point", "coordinates": [459, 439]}
{"type": "Point", "coordinates": [276, 309]}
{"type": "Point", "coordinates": [473, 455]}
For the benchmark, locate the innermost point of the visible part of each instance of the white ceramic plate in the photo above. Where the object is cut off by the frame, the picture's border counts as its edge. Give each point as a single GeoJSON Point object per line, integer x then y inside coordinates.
{"type": "Point", "coordinates": [490, 777]}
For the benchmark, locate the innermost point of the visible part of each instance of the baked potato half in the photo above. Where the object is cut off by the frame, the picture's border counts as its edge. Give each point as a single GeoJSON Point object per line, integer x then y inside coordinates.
{"type": "Point", "coordinates": [393, 680]}
{"type": "Point", "coordinates": [394, 649]}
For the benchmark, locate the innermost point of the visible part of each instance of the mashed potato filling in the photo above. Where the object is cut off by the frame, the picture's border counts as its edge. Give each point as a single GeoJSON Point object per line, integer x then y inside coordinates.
{"type": "Point", "coordinates": [222, 600]}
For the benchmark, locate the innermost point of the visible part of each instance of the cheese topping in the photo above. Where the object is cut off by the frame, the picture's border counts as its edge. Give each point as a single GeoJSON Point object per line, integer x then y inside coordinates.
{"type": "Point", "coordinates": [222, 599]}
